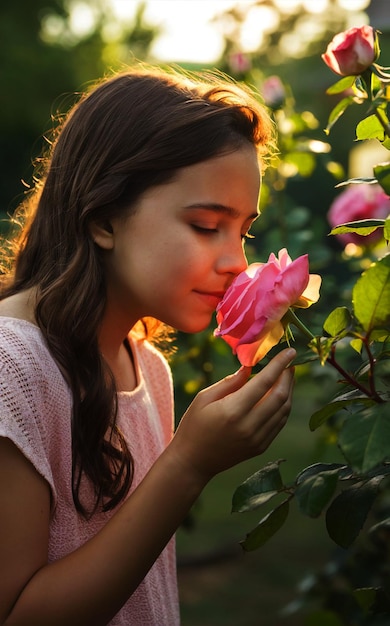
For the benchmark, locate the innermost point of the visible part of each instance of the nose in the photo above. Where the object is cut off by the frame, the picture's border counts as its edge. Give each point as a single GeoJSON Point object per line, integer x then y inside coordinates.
{"type": "Point", "coordinates": [233, 260]}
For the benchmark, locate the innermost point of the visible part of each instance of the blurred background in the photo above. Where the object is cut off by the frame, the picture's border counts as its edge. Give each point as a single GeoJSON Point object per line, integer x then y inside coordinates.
{"type": "Point", "coordinates": [50, 50]}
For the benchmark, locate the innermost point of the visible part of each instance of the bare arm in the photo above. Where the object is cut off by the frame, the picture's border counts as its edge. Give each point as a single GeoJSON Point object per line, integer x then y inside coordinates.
{"type": "Point", "coordinates": [226, 424]}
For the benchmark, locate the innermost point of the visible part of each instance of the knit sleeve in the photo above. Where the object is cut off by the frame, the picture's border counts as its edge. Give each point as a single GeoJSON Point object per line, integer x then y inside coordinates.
{"type": "Point", "coordinates": [26, 411]}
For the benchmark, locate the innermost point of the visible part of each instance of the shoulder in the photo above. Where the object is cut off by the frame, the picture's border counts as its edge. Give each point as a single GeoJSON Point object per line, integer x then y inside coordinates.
{"type": "Point", "coordinates": [151, 359]}
{"type": "Point", "coordinates": [17, 334]}
{"type": "Point", "coordinates": [28, 372]}
{"type": "Point", "coordinates": [23, 348]}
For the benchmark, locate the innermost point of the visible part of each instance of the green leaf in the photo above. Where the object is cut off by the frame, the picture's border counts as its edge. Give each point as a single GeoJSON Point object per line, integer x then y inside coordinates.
{"type": "Point", "coordinates": [341, 85]}
{"type": "Point", "coordinates": [365, 597]}
{"type": "Point", "coordinates": [362, 227]}
{"type": "Point", "coordinates": [267, 527]}
{"type": "Point", "coordinates": [341, 402]}
{"type": "Point", "coordinates": [337, 321]}
{"type": "Point", "coordinates": [337, 112]}
{"type": "Point", "coordinates": [258, 488]}
{"type": "Point", "coordinates": [314, 493]}
{"type": "Point", "coordinates": [346, 515]}
{"type": "Point", "coordinates": [357, 181]}
{"type": "Point", "coordinates": [343, 471]}
{"type": "Point", "coordinates": [370, 128]}
{"type": "Point", "coordinates": [357, 345]}
{"type": "Point", "coordinates": [386, 230]}
{"type": "Point", "coordinates": [382, 175]}
{"type": "Point", "coordinates": [371, 295]}
{"type": "Point", "coordinates": [364, 437]}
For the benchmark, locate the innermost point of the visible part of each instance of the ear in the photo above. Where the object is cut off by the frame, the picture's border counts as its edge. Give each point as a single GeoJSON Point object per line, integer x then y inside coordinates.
{"type": "Point", "coordinates": [102, 234]}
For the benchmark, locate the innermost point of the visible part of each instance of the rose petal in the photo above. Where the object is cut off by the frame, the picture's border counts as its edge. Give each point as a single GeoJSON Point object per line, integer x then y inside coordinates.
{"type": "Point", "coordinates": [251, 353]}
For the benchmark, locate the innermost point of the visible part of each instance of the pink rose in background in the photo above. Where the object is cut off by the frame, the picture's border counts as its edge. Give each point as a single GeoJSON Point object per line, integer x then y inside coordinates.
{"type": "Point", "coordinates": [351, 52]}
{"type": "Point", "coordinates": [274, 92]}
{"type": "Point", "coordinates": [358, 202]}
{"type": "Point", "coordinates": [239, 63]}
{"type": "Point", "coordinates": [249, 316]}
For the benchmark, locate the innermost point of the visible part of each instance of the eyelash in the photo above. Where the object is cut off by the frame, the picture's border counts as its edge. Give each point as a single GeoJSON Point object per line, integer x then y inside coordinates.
{"type": "Point", "coordinates": [211, 231]}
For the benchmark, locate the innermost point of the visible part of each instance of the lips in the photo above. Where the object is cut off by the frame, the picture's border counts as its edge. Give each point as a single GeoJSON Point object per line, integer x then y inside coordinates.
{"type": "Point", "coordinates": [211, 298]}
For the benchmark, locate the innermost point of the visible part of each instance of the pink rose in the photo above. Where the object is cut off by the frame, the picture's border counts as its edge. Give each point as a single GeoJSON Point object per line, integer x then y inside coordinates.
{"type": "Point", "coordinates": [239, 63]}
{"type": "Point", "coordinates": [273, 91]}
{"type": "Point", "coordinates": [249, 315]}
{"type": "Point", "coordinates": [351, 52]}
{"type": "Point", "coordinates": [358, 202]}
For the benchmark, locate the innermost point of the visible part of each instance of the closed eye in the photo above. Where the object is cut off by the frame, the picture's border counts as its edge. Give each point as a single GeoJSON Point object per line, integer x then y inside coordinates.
{"type": "Point", "coordinates": [203, 230]}
{"type": "Point", "coordinates": [210, 231]}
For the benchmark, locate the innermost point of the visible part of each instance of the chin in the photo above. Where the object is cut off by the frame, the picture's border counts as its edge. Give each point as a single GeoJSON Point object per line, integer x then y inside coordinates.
{"type": "Point", "coordinates": [194, 327]}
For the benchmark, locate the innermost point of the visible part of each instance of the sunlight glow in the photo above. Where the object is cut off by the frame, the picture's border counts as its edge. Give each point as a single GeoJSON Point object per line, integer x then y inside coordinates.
{"type": "Point", "coordinates": [315, 7]}
{"type": "Point", "coordinates": [288, 6]}
{"type": "Point", "coordinates": [82, 19]}
{"type": "Point", "coordinates": [352, 250]}
{"type": "Point", "coordinates": [354, 5]}
{"type": "Point", "coordinates": [187, 34]}
{"type": "Point", "coordinates": [259, 20]}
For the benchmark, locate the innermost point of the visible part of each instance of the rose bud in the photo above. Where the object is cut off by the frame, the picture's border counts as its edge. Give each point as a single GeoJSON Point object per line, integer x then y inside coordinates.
{"type": "Point", "coordinates": [351, 52]}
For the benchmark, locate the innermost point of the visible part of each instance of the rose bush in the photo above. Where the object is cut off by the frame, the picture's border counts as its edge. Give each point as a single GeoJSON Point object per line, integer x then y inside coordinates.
{"type": "Point", "coordinates": [358, 202]}
{"type": "Point", "coordinates": [250, 315]}
{"type": "Point", "coordinates": [351, 493]}
{"type": "Point", "coordinates": [350, 53]}
{"type": "Point", "coordinates": [355, 341]}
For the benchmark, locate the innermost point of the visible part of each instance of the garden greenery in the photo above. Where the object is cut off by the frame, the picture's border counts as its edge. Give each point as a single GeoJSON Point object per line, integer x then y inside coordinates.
{"type": "Point", "coordinates": [345, 492]}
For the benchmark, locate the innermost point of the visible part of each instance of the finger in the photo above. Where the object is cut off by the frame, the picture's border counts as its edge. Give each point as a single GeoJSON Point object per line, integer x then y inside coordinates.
{"type": "Point", "coordinates": [256, 388]}
{"type": "Point", "coordinates": [226, 386]}
{"type": "Point", "coordinates": [275, 407]}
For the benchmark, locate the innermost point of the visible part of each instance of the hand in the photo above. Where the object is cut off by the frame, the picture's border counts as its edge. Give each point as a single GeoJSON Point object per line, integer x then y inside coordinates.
{"type": "Point", "coordinates": [235, 419]}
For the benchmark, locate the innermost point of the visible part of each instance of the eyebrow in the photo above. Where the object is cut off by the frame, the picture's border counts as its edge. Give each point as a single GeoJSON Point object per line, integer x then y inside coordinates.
{"type": "Point", "coordinates": [221, 208]}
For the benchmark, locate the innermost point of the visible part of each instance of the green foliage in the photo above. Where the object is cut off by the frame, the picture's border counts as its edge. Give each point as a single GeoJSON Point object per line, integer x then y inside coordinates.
{"type": "Point", "coordinates": [354, 340]}
{"type": "Point", "coordinates": [371, 296]}
{"type": "Point", "coordinates": [364, 438]}
{"type": "Point", "coordinates": [258, 488]}
{"type": "Point", "coordinates": [361, 227]}
{"type": "Point", "coordinates": [267, 527]}
{"type": "Point", "coordinates": [314, 493]}
{"type": "Point", "coordinates": [382, 175]}
{"type": "Point", "coordinates": [349, 510]}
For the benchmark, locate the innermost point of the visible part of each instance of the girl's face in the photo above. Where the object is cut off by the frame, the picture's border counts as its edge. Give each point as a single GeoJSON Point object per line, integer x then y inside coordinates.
{"type": "Point", "coordinates": [175, 255]}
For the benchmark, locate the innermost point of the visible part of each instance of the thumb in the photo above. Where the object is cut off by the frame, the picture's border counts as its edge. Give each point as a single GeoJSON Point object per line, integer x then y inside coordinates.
{"type": "Point", "coordinates": [227, 385]}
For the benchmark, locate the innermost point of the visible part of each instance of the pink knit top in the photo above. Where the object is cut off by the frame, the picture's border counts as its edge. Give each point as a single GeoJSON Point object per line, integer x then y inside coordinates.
{"type": "Point", "coordinates": [36, 414]}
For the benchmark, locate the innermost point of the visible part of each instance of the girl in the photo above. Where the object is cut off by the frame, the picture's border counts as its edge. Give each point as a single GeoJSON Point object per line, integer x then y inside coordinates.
{"type": "Point", "coordinates": [138, 225]}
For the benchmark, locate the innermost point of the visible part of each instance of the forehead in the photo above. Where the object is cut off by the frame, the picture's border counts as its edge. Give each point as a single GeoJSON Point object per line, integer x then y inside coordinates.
{"type": "Point", "coordinates": [228, 183]}
{"type": "Point", "coordinates": [230, 169]}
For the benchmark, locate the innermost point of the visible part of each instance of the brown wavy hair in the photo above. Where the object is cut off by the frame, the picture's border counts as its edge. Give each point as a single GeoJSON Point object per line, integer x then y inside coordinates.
{"type": "Point", "coordinates": [126, 134]}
